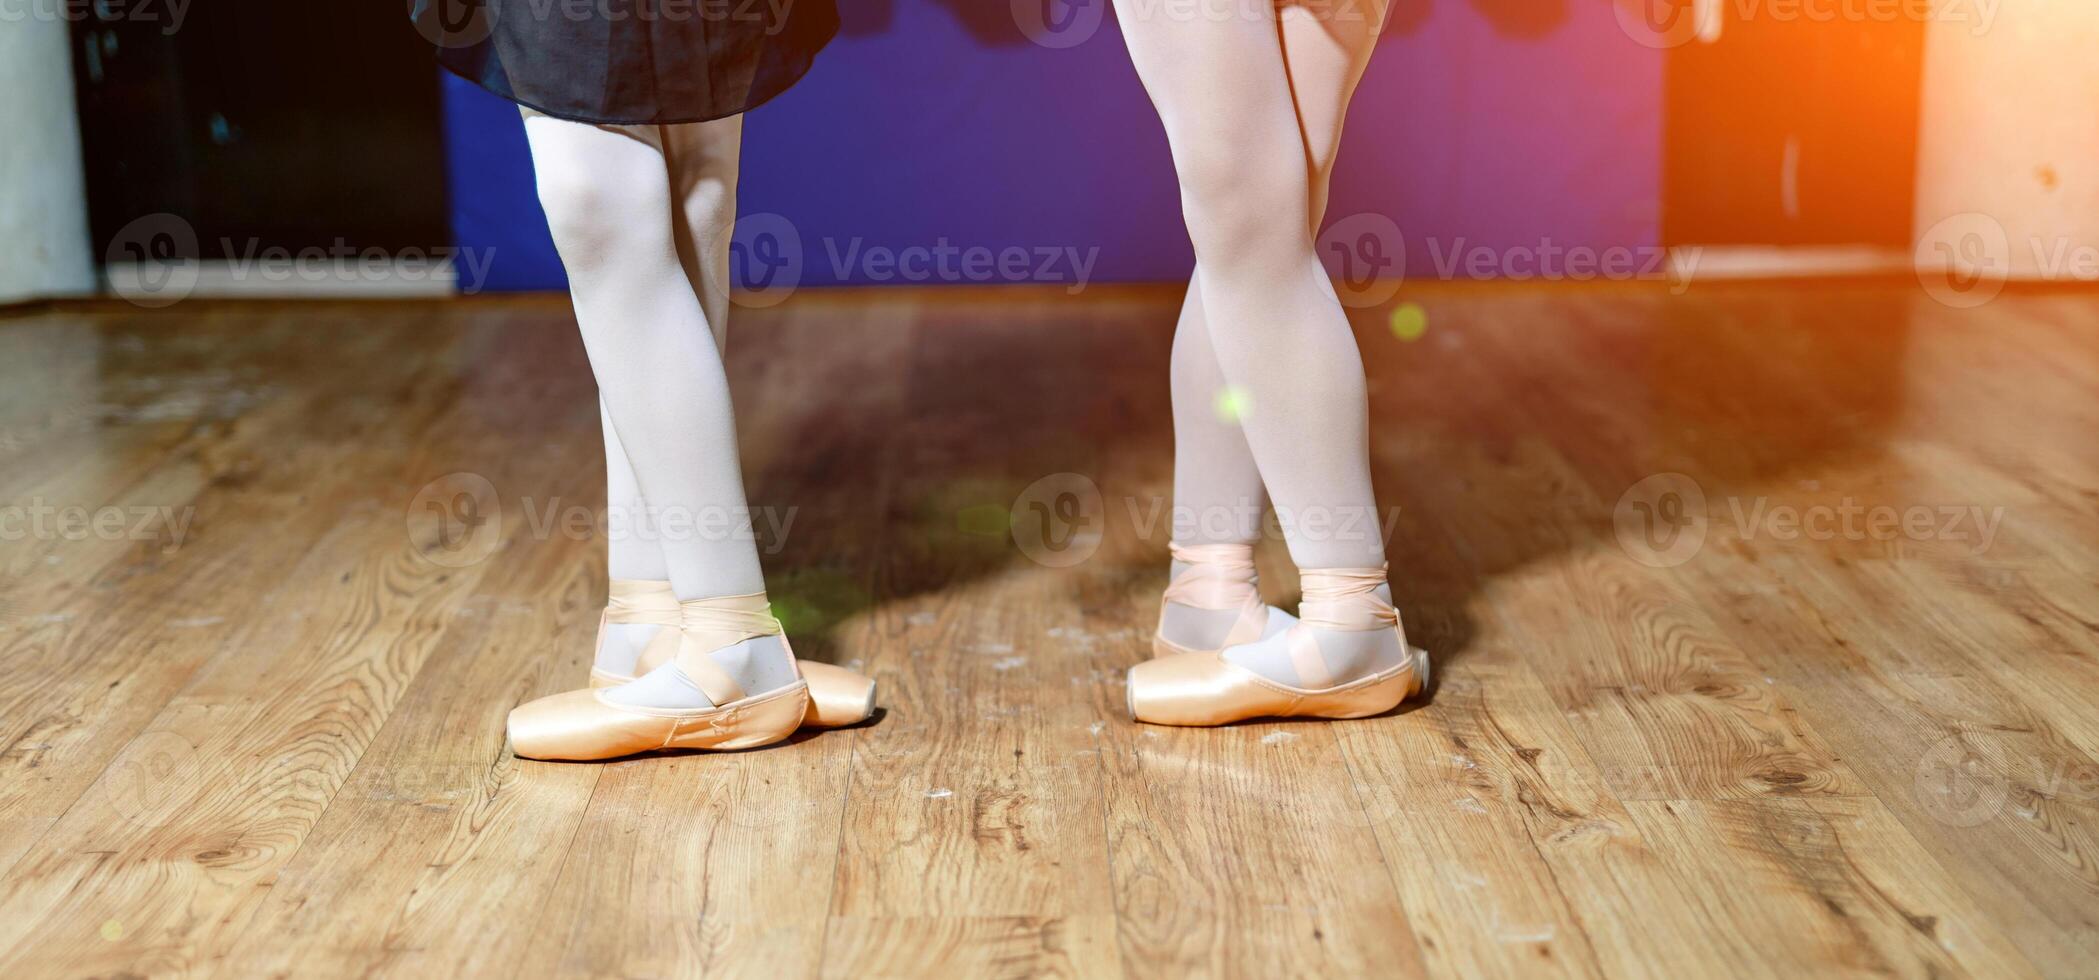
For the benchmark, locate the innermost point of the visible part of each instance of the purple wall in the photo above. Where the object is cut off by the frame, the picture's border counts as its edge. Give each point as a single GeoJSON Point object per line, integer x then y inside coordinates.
{"type": "Point", "coordinates": [1503, 123]}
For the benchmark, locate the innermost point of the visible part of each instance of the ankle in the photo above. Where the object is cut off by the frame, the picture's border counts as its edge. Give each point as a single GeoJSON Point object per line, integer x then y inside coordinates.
{"type": "Point", "coordinates": [1211, 590]}
{"type": "Point", "coordinates": [621, 647]}
{"type": "Point", "coordinates": [1349, 631]}
{"type": "Point", "coordinates": [759, 664]}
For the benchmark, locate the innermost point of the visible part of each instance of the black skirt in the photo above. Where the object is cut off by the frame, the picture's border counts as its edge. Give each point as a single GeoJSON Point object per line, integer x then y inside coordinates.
{"type": "Point", "coordinates": [629, 61]}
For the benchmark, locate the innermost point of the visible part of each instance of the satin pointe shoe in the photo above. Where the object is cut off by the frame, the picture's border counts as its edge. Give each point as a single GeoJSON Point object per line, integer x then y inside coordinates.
{"type": "Point", "coordinates": [1201, 688]}
{"type": "Point", "coordinates": [1218, 577]}
{"type": "Point", "coordinates": [837, 697]}
{"type": "Point", "coordinates": [584, 725]}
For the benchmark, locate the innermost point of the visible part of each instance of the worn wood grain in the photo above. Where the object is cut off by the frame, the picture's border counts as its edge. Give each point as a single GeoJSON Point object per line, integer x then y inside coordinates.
{"type": "Point", "coordinates": [276, 749]}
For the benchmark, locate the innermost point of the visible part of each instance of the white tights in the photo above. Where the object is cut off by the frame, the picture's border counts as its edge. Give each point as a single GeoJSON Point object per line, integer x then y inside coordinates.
{"type": "Point", "coordinates": [641, 216]}
{"type": "Point", "coordinates": [1268, 389]}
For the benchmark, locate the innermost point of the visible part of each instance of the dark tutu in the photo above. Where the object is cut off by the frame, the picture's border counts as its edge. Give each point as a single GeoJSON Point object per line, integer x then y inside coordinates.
{"type": "Point", "coordinates": [629, 61]}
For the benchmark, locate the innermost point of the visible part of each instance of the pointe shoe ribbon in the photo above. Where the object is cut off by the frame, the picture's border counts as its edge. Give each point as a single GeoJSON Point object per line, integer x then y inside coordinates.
{"type": "Point", "coordinates": [837, 696]}
{"type": "Point", "coordinates": [1218, 577]}
{"type": "Point", "coordinates": [639, 601]}
{"type": "Point", "coordinates": [1201, 688]}
{"type": "Point", "coordinates": [1339, 599]}
{"type": "Point", "coordinates": [707, 625]}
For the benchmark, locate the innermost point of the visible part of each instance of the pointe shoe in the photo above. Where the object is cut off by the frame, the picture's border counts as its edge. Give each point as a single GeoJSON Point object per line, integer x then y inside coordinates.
{"type": "Point", "coordinates": [1218, 577]}
{"type": "Point", "coordinates": [1201, 688]}
{"type": "Point", "coordinates": [837, 697]}
{"type": "Point", "coordinates": [585, 725]}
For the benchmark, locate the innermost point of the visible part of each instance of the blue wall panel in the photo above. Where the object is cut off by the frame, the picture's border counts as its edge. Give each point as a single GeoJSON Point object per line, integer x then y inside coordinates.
{"type": "Point", "coordinates": [939, 123]}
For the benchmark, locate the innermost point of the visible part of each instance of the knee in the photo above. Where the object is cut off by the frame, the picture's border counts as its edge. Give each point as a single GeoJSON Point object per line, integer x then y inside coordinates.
{"type": "Point", "coordinates": [1245, 206]}
{"type": "Point", "coordinates": [709, 206]}
{"type": "Point", "coordinates": [597, 216]}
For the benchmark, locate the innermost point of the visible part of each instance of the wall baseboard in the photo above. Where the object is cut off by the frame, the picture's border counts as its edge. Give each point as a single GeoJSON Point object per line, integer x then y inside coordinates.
{"type": "Point", "coordinates": [1692, 263]}
{"type": "Point", "coordinates": [150, 284]}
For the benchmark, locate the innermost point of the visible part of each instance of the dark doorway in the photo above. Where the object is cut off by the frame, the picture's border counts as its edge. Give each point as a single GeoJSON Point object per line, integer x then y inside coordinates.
{"type": "Point", "coordinates": [1792, 130]}
{"type": "Point", "coordinates": [263, 124]}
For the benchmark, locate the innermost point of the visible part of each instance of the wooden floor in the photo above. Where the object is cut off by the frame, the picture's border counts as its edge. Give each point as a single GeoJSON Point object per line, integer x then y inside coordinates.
{"type": "Point", "coordinates": [260, 732]}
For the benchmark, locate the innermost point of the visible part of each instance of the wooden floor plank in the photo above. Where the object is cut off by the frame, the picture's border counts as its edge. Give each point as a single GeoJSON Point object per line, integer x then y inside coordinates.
{"type": "Point", "coordinates": [124, 621]}
{"type": "Point", "coordinates": [1664, 703]}
{"type": "Point", "coordinates": [251, 750]}
{"type": "Point", "coordinates": [1884, 695]}
{"type": "Point", "coordinates": [732, 874]}
{"type": "Point", "coordinates": [437, 844]}
{"type": "Point", "coordinates": [1825, 886]}
{"type": "Point", "coordinates": [276, 750]}
{"type": "Point", "coordinates": [972, 834]}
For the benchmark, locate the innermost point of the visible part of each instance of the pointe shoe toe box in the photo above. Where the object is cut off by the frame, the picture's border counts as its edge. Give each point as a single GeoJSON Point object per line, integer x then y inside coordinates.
{"type": "Point", "coordinates": [579, 725]}
{"type": "Point", "coordinates": [1203, 689]}
{"type": "Point", "coordinates": [837, 696]}
{"type": "Point", "coordinates": [582, 725]}
{"type": "Point", "coordinates": [1193, 688]}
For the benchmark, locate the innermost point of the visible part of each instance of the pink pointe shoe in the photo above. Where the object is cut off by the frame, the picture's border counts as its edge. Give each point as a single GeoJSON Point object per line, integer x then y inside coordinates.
{"type": "Point", "coordinates": [1201, 688]}
{"type": "Point", "coordinates": [837, 697]}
